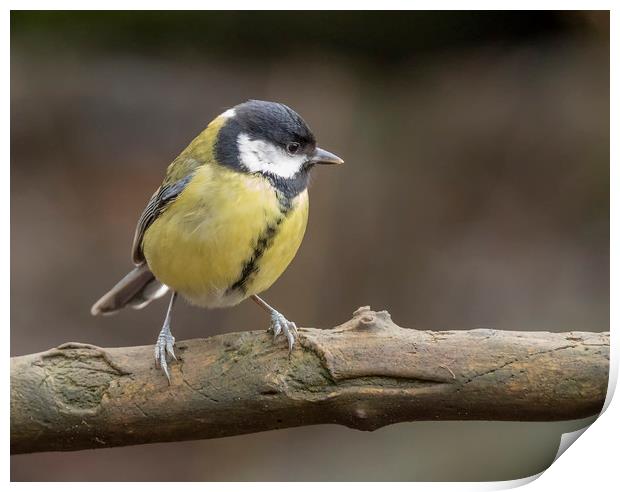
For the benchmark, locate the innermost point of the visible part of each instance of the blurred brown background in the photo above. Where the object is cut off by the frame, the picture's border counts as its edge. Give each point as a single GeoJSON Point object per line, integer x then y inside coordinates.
{"type": "Point", "coordinates": [475, 194]}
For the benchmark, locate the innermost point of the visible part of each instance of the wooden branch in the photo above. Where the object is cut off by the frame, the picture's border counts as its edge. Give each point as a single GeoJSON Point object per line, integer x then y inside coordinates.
{"type": "Point", "coordinates": [364, 374]}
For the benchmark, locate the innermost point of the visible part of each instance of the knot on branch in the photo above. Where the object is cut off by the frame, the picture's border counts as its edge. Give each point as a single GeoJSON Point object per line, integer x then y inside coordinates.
{"type": "Point", "coordinates": [77, 375]}
{"type": "Point", "coordinates": [367, 319]}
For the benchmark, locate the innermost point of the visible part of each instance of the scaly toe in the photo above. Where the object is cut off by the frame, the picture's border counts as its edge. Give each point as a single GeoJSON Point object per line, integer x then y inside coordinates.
{"type": "Point", "coordinates": [170, 347]}
{"type": "Point", "coordinates": [291, 335]}
{"type": "Point", "coordinates": [164, 367]}
{"type": "Point", "coordinates": [279, 324]}
{"type": "Point", "coordinates": [276, 325]}
{"type": "Point", "coordinates": [164, 348]}
{"type": "Point", "coordinates": [294, 327]}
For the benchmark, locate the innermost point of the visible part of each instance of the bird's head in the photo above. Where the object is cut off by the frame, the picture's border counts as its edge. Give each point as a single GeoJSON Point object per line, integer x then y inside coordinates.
{"type": "Point", "coordinates": [271, 139]}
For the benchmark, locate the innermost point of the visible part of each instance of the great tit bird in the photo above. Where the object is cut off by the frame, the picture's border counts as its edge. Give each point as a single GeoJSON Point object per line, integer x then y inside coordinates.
{"type": "Point", "coordinates": [227, 219]}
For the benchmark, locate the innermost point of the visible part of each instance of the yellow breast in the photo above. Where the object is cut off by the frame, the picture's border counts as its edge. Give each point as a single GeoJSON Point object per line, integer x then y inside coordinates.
{"type": "Point", "coordinates": [227, 236]}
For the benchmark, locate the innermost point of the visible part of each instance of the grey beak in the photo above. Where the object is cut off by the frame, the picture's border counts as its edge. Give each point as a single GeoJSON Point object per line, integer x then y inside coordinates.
{"type": "Point", "coordinates": [324, 157]}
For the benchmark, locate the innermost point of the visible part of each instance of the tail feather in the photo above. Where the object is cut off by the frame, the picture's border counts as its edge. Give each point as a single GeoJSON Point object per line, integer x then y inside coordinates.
{"type": "Point", "coordinates": [136, 289]}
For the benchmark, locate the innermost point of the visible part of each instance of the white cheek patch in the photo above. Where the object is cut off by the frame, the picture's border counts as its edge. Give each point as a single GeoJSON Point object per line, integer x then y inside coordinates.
{"type": "Point", "coordinates": [261, 156]}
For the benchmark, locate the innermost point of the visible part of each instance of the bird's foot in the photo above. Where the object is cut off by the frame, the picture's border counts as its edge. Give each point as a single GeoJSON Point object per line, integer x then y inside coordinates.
{"type": "Point", "coordinates": [164, 351]}
{"type": "Point", "coordinates": [279, 324]}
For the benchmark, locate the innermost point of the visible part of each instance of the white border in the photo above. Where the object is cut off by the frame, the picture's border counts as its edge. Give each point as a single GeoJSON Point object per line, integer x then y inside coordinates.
{"type": "Point", "coordinates": [590, 464]}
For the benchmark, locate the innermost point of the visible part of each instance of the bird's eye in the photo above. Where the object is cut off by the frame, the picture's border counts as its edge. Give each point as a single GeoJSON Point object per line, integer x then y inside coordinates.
{"type": "Point", "coordinates": [292, 147]}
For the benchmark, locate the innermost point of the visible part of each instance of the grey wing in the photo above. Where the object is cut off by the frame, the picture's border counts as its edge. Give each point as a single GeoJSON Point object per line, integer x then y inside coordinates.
{"type": "Point", "coordinates": [164, 195]}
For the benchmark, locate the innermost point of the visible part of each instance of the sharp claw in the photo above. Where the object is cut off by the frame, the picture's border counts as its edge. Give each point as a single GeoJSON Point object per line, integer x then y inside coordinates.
{"type": "Point", "coordinates": [164, 367]}
{"type": "Point", "coordinates": [291, 341]}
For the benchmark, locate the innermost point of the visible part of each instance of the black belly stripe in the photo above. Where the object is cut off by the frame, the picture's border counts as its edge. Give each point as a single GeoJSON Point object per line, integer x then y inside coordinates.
{"type": "Point", "coordinates": [250, 267]}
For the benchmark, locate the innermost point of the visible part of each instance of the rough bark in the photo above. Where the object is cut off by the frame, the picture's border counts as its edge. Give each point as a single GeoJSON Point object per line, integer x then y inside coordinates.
{"type": "Point", "coordinates": [365, 373]}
